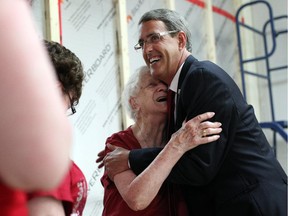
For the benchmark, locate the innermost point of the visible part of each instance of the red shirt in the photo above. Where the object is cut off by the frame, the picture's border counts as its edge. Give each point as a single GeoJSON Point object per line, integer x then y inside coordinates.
{"type": "Point", "coordinates": [72, 192]}
{"type": "Point", "coordinates": [12, 202]}
{"type": "Point", "coordinates": [114, 205]}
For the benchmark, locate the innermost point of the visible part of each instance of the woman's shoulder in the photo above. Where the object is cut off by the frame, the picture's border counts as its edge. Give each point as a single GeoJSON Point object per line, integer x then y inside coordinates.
{"type": "Point", "coordinates": [124, 139]}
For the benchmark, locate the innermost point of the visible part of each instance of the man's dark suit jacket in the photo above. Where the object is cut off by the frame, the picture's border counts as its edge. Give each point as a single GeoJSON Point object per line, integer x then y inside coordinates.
{"type": "Point", "coordinates": [238, 174]}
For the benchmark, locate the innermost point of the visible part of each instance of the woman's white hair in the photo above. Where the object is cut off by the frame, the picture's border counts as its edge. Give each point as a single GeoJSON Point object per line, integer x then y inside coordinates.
{"type": "Point", "coordinates": [131, 89]}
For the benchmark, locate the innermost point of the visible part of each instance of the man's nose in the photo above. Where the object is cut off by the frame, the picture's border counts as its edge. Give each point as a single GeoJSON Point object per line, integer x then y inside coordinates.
{"type": "Point", "coordinates": [147, 47]}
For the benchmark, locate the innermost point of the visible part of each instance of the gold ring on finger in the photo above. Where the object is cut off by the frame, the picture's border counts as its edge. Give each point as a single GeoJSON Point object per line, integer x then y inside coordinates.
{"type": "Point", "coordinates": [204, 133]}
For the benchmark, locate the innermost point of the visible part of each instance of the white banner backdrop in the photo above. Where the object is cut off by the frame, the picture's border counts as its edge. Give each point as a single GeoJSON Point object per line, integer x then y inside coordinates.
{"type": "Point", "coordinates": [225, 42]}
{"type": "Point", "coordinates": [38, 10]}
{"type": "Point", "coordinates": [88, 29]}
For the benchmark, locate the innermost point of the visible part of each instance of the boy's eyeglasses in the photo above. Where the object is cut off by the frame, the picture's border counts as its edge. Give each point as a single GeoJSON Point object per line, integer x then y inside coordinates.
{"type": "Point", "coordinates": [72, 109]}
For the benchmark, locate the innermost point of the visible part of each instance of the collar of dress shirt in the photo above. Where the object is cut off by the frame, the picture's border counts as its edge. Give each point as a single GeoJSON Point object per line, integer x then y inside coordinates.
{"type": "Point", "coordinates": [174, 84]}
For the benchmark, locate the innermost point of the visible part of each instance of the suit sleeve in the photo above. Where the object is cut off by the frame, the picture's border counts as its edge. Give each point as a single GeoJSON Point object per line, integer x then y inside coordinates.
{"type": "Point", "coordinates": [139, 159]}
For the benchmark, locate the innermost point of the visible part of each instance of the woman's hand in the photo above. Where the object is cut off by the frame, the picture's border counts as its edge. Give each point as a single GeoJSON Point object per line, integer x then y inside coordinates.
{"type": "Point", "coordinates": [195, 132]}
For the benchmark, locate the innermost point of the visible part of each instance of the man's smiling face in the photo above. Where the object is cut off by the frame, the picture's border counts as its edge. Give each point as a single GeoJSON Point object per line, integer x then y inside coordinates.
{"type": "Point", "coordinates": [162, 56]}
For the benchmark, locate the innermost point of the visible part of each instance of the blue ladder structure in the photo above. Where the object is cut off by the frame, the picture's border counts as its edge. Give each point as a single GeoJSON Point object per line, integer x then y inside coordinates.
{"type": "Point", "coordinates": [278, 127]}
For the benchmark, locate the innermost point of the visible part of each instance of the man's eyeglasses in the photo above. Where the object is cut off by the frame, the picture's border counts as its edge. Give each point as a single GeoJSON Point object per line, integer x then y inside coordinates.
{"type": "Point", "coordinates": [152, 38]}
{"type": "Point", "coordinates": [72, 109]}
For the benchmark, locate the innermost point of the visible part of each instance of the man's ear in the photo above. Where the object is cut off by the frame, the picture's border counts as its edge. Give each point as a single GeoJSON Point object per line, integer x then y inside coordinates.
{"type": "Point", "coordinates": [182, 40]}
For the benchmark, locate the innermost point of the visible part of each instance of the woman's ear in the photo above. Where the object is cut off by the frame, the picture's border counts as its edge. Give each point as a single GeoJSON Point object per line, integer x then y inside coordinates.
{"type": "Point", "coordinates": [133, 103]}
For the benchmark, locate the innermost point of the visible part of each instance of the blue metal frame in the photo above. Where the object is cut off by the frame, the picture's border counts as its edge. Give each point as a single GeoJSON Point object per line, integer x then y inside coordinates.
{"type": "Point", "coordinates": [276, 126]}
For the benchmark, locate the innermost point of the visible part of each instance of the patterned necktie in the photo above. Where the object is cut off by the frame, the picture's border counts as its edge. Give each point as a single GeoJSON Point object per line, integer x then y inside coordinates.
{"type": "Point", "coordinates": [170, 112]}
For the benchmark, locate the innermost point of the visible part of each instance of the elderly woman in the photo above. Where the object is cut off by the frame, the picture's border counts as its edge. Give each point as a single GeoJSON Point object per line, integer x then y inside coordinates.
{"type": "Point", "coordinates": [146, 194]}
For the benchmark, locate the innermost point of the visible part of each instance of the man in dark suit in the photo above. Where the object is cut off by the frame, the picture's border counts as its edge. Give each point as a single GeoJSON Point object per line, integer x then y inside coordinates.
{"type": "Point", "coordinates": [239, 174]}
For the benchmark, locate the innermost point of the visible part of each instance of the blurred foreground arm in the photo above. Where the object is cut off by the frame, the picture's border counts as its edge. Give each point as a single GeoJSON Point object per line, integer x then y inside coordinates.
{"type": "Point", "coordinates": [35, 135]}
